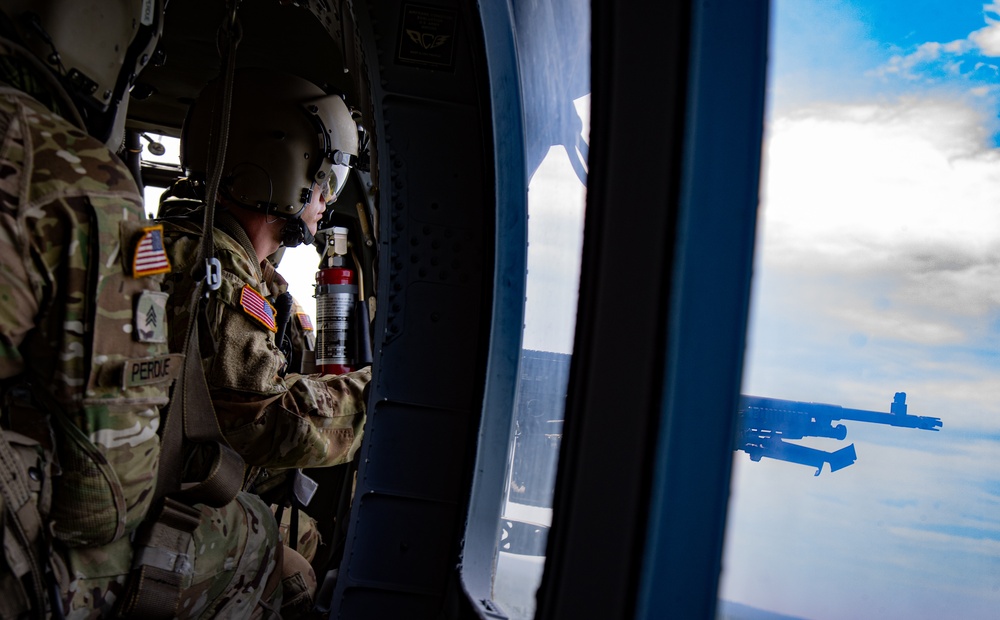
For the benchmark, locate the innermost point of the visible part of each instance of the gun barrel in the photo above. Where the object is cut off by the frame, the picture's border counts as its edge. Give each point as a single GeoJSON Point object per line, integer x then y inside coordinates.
{"type": "Point", "coordinates": [822, 412]}
{"type": "Point", "coordinates": [925, 423]}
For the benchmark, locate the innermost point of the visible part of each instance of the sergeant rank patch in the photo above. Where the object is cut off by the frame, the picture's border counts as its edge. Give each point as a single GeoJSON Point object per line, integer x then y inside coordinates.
{"type": "Point", "coordinates": [258, 307]}
{"type": "Point", "coordinates": [149, 257]}
{"type": "Point", "coordinates": [150, 317]}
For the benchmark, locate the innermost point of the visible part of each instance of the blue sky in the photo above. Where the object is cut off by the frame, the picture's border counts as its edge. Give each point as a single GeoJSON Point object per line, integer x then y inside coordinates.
{"type": "Point", "coordinates": [851, 50]}
{"type": "Point", "coordinates": [878, 270]}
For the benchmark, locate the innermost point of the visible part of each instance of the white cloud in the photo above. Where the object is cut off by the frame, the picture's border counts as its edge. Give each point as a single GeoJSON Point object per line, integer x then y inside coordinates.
{"type": "Point", "coordinates": [900, 326]}
{"type": "Point", "coordinates": [984, 41]}
{"type": "Point", "coordinates": [954, 67]}
{"type": "Point", "coordinates": [904, 64]}
{"type": "Point", "coordinates": [987, 39]}
{"type": "Point", "coordinates": [909, 190]}
{"type": "Point", "coordinates": [956, 47]}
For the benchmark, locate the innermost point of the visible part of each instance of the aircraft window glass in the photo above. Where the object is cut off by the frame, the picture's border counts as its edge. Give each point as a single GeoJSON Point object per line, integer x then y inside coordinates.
{"type": "Point", "coordinates": [158, 150]}
{"type": "Point", "coordinates": [876, 273]}
{"type": "Point", "coordinates": [554, 57]}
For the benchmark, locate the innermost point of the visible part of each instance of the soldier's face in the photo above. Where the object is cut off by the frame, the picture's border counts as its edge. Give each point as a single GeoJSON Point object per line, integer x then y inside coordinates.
{"type": "Point", "coordinates": [313, 212]}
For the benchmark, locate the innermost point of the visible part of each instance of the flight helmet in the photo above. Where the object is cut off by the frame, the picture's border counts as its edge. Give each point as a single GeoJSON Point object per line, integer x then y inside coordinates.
{"type": "Point", "coordinates": [287, 138]}
{"type": "Point", "coordinates": [96, 48]}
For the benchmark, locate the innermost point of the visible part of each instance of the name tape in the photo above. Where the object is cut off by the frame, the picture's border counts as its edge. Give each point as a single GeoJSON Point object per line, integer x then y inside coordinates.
{"type": "Point", "coordinates": [151, 370]}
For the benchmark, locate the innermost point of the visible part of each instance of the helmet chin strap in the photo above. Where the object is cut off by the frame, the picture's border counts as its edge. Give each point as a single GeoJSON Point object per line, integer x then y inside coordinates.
{"type": "Point", "coordinates": [295, 232]}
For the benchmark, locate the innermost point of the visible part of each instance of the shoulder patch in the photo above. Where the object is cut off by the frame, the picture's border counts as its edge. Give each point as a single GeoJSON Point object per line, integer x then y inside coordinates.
{"type": "Point", "coordinates": [305, 321]}
{"type": "Point", "coordinates": [150, 258]}
{"type": "Point", "coordinates": [257, 307]}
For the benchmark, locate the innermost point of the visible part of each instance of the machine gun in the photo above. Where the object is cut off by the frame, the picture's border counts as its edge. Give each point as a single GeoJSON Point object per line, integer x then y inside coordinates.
{"type": "Point", "coordinates": [765, 423]}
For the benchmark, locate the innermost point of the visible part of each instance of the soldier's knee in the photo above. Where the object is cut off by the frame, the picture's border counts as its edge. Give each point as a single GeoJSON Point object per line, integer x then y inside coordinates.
{"type": "Point", "coordinates": [237, 562]}
{"type": "Point", "coordinates": [298, 582]}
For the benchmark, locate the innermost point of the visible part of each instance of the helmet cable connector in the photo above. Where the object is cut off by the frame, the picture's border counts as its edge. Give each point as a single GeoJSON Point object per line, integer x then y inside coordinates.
{"type": "Point", "coordinates": [213, 274]}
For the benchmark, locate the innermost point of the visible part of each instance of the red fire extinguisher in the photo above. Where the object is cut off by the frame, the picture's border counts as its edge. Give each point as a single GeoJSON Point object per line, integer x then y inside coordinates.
{"type": "Point", "coordinates": [336, 292]}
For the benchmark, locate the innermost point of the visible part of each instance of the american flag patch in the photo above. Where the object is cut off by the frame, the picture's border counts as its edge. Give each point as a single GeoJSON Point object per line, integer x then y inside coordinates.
{"type": "Point", "coordinates": [150, 258]}
{"type": "Point", "coordinates": [305, 321]}
{"type": "Point", "coordinates": [258, 307]}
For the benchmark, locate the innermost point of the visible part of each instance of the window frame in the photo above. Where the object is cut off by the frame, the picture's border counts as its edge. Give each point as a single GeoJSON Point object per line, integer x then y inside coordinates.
{"type": "Point", "coordinates": [482, 527]}
{"type": "Point", "coordinates": [662, 312]}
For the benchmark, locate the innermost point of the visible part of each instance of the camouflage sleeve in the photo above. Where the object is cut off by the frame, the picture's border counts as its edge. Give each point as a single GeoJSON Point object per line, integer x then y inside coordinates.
{"type": "Point", "coordinates": [316, 422]}
{"type": "Point", "coordinates": [295, 421]}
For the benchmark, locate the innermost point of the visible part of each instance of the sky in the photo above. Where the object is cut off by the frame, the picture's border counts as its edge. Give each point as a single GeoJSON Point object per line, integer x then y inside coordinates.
{"type": "Point", "coordinates": [876, 271]}
{"type": "Point", "coordinates": [556, 204]}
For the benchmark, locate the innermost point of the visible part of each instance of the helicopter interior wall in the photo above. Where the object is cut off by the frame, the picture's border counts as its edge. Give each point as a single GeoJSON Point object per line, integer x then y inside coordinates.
{"type": "Point", "coordinates": [302, 37]}
{"type": "Point", "coordinates": [436, 204]}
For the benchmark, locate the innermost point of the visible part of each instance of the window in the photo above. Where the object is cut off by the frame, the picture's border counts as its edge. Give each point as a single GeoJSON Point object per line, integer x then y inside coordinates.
{"type": "Point", "coordinates": [553, 49]}
{"type": "Point", "coordinates": [876, 273]}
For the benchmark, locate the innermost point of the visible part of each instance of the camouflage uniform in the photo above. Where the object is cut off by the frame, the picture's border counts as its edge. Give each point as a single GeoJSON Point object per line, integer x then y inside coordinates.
{"type": "Point", "coordinates": [272, 421]}
{"type": "Point", "coordinates": [184, 201]}
{"type": "Point", "coordinates": [77, 317]}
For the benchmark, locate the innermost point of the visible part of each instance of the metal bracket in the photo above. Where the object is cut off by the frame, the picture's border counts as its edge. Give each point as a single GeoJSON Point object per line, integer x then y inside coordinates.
{"type": "Point", "coordinates": [343, 159]}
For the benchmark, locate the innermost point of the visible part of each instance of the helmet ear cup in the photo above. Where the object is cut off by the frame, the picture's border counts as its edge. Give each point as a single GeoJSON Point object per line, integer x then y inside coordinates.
{"type": "Point", "coordinates": [247, 181]}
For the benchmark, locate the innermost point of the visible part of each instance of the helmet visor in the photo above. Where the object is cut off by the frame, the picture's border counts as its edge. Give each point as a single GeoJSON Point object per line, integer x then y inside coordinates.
{"type": "Point", "coordinates": [338, 179]}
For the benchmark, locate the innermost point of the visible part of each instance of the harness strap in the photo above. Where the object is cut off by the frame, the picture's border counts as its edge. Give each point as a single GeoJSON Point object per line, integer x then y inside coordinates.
{"type": "Point", "coordinates": [223, 481]}
{"type": "Point", "coordinates": [191, 414]}
{"type": "Point", "coordinates": [163, 563]}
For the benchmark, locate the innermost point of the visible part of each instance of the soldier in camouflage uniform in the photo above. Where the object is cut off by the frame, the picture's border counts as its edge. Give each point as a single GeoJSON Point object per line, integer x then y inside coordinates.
{"type": "Point", "coordinates": [295, 337]}
{"type": "Point", "coordinates": [290, 147]}
{"type": "Point", "coordinates": [83, 347]}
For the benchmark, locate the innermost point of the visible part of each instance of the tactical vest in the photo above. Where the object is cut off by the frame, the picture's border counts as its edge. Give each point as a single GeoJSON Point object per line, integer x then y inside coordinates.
{"type": "Point", "coordinates": [95, 369]}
